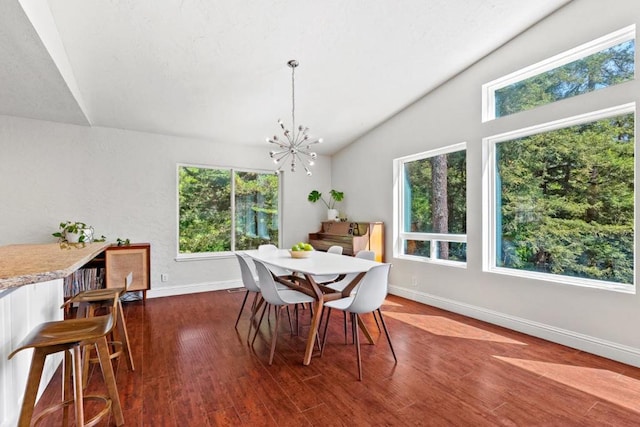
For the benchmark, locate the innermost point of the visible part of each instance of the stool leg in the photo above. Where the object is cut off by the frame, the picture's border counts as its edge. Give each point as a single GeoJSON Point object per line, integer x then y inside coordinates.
{"type": "Point", "coordinates": [31, 389]}
{"type": "Point", "coordinates": [86, 355]}
{"type": "Point", "coordinates": [66, 385]}
{"type": "Point", "coordinates": [110, 379]}
{"type": "Point", "coordinates": [124, 335]}
{"type": "Point", "coordinates": [77, 385]}
{"type": "Point", "coordinates": [89, 311]}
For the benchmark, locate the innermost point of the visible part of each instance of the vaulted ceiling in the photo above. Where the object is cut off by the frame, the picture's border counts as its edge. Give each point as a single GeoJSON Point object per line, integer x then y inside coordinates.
{"type": "Point", "coordinates": [216, 69]}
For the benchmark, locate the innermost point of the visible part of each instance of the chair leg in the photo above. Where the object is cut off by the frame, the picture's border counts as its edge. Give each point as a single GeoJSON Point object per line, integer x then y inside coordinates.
{"type": "Point", "coordinates": [376, 319]}
{"type": "Point", "coordinates": [356, 338]}
{"type": "Point", "coordinates": [324, 333]}
{"type": "Point", "coordinates": [254, 310]}
{"type": "Point", "coordinates": [386, 331]}
{"type": "Point", "coordinates": [274, 336]}
{"type": "Point", "coordinates": [290, 324]}
{"type": "Point", "coordinates": [266, 306]}
{"type": "Point", "coordinates": [246, 294]}
{"type": "Point", "coordinates": [344, 315]}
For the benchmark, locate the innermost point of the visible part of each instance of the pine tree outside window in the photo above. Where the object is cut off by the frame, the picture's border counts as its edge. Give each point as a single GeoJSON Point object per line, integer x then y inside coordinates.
{"type": "Point", "coordinates": [431, 216]}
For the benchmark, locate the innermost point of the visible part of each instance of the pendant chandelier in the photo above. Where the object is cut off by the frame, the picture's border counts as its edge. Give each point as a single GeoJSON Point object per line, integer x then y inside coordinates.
{"type": "Point", "coordinates": [296, 147]}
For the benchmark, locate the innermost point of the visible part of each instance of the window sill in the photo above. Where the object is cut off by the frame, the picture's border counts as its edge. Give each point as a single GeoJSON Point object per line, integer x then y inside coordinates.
{"type": "Point", "coordinates": [565, 280]}
{"type": "Point", "coordinates": [456, 264]}
{"type": "Point", "coordinates": [203, 256]}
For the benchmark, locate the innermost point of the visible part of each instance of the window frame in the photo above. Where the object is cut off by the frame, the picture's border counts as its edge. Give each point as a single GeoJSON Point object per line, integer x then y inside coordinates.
{"type": "Point", "coordinates": [233, 170]}
{"type": "Point", "coordinates": [489, 199]}
{"type": "Point", "coordinates": [400, 236]}
{"type": "Point", "coordinates": [489, 89]}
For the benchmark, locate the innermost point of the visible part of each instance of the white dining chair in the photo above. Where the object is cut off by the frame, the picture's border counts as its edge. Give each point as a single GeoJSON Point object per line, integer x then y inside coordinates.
{"type": "Point", "coordinates": [341, 285]}
{"type": "Point", "coordinates": [278, 299]}
{"type": "Point", "coordinates": [251, 286]}
{"type": "Point", "coordinates": [266, 248]}
{"type": "Point", "coordinates": [327, 278]}
{"type": "Point", "coordinates": [369, 298]}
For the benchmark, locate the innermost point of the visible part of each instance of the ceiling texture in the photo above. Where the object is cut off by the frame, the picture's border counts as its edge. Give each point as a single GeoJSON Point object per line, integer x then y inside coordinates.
{"type": "Point", "coordinates": [217, 69]}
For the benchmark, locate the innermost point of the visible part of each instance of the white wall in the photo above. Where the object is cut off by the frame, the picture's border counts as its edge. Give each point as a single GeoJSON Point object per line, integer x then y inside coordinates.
{"type": "Point", "coordinates": [599, 321]}
{"type": "Point", "coordinates": [124, 184]}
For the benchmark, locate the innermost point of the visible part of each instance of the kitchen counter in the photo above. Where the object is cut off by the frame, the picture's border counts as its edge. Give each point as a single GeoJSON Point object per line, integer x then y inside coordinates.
{"type": "Point", "coordinates": [34, 263]}
{"type": "Point", "coordinates": [31, 293]}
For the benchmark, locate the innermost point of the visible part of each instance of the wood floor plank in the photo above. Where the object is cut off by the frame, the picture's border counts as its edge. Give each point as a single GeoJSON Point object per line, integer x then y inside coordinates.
{"type": "Point", "coordinates": [194, 368]}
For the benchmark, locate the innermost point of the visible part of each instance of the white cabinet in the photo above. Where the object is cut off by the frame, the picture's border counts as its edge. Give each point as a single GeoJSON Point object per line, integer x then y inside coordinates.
{"type": "Point", "coordinates": [21, 309]}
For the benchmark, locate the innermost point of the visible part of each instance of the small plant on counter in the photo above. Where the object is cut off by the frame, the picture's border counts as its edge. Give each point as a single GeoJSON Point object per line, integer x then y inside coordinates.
{"type": "Point", "coordinates": [76, 232]}
{"type": "Point", "coordinates": [125, 242]}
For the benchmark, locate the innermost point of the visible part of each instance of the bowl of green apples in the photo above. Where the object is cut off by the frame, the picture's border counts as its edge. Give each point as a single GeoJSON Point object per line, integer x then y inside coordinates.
{"type": "Point", "coordinates": [301, 250]}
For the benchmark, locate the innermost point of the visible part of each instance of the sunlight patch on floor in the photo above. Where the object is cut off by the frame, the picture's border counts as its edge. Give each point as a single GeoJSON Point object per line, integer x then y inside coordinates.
{"type": "Point", "coordinates": [611, 386]}
{"type": "Point", "coordinates": [391, 303]}
{"type": "Point", "coordinates": [439, 325]}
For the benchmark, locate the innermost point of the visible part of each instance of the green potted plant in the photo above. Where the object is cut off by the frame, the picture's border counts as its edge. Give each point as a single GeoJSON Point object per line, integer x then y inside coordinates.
{"type": "Point", "coordinates": [334, 197]}
{"type": "Point", "coordinates": [74, 232]}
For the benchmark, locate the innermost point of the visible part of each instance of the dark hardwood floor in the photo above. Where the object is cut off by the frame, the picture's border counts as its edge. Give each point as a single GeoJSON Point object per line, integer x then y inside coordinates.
{"type": "Point", "coordinates": [194, 369]}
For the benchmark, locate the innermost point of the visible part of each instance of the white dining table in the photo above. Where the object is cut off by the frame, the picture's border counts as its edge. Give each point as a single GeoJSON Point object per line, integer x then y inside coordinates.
{"type": "Point", "coordinates": [317, 264]}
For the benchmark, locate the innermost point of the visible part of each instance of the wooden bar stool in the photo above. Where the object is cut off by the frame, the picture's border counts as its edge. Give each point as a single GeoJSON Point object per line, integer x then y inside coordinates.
{"type": "Point", "coordinates": [91, 301]}
{"type": "Point", "coordinates": [70, 336]}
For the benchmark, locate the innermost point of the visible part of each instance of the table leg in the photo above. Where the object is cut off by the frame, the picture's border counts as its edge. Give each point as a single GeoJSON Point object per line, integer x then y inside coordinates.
{"type": "Point", "coordinates": [315, 320]}
{"type": "Point", "coordinates": [364, 330]}
{"type": "Point", "coordinates": [313, 331]}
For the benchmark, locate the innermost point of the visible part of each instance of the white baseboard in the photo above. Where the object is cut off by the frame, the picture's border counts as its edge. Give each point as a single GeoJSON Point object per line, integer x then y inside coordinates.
{"type": "Point", "coordinates": [193, 288]}
{"type": "Point", "coordinates": [600, 347]}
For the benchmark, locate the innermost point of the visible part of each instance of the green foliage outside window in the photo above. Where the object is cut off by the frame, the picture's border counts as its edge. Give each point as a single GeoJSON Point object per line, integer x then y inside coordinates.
{"type": "Point", "coordinates": [205, 214]}
{"type": "Point", "coordinates": [602, 69]}
{"type": "Point", "coordinates": [436, 189]}
{"type": "Point", "coordinates": [567, 201]}
{"type": "Point", "coordinates": [256, 196]}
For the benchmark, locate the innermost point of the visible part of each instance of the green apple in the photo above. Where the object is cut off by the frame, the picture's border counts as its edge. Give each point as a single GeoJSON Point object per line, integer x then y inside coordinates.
{"type": "Point", "coordinates": [295, 248]}
{"type": "Point", "coordinates": [308, 247]}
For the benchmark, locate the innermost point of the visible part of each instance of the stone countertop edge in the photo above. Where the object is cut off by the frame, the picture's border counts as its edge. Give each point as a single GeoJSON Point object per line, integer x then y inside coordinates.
{"type": "Point", "coordinates": [34, 263]}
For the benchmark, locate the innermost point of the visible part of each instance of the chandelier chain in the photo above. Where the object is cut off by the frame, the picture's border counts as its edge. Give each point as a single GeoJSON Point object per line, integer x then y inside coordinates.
{"type": "Point", "coordinates": [293, 101]}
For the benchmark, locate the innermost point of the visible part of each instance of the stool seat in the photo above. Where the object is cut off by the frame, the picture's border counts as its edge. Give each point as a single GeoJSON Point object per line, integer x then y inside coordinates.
{"type": "Point", "coordinates": [70, 336]}
{"type": "Point", "coordinates": [66, 332]}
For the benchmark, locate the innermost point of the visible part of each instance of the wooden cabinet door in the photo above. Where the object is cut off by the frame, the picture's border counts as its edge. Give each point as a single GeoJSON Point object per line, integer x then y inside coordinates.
{"type": "Point", "coordinates": [122, 260]}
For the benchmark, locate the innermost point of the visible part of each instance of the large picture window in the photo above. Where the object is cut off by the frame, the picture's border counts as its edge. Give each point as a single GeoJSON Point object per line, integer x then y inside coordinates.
{"type": "Point", "coordinates": [225, 210]}
{"type": "Point", "coordinates": [431, 215]}
{"type": "Point", "coordinates": [562, 200]}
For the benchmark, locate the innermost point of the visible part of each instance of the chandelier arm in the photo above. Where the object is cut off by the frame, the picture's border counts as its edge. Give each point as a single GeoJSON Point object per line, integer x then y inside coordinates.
{"type": "Point", "coordinates": [279, 144]}
{"type": "Point", "coordinates": [282, 157]}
